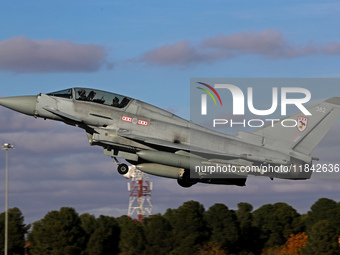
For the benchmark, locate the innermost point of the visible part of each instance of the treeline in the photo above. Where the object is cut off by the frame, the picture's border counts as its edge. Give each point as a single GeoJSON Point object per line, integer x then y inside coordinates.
{"type": "Point", "coordinates": [190, 229]}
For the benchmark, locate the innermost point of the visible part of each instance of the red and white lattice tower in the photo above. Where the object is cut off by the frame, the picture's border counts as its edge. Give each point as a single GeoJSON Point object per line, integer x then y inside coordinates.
{"type": "Point", "coordinates": [140, 195]}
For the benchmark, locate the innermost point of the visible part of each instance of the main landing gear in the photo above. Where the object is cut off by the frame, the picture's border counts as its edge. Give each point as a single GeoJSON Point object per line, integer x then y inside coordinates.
{"type": "Point", "coordinates": [185, 181]}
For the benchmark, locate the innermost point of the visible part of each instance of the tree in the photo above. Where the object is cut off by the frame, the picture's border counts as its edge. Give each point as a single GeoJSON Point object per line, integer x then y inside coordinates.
{"type": "Point", "coordinates": [210, 248]}
{"type": "Point", "coordinates": [132, 239]}
{"type": "Point", "coordinates": [322, 239]}
{"type": "Point", "coordinates": [105, 238]}
{"type": "Point", "coordinates": [248, 232]}
{"type": "Point", "coordinates": [323, 227]}
{"type": "Point", "coordinates": [88, 223]}
{"type": "Point", "coordinates": [16, 231]}
{"type": "Point", "coordinates": [158, 235]}
{"type": "Point", "coordinates": [294, 244]}
{"type": "Point", "coordinates": [224, 227]}
{"type": "Point", "coordinates": [323, 209]}
{"type": "Point", "coordinates": [189, 229]}
{"type": "Point", "coordinates": [59, 232]}
{"type": "Point", "coordinates": [276, 223]}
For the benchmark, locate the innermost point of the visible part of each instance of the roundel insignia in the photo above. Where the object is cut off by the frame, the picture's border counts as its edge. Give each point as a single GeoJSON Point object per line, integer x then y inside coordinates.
{"type": "Point", "coordinates": [134, 121]}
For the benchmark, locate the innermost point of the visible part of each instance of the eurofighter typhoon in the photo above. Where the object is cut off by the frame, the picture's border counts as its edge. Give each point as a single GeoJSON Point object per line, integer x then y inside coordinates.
{"type": "Point", "coordinates": [160, 143]}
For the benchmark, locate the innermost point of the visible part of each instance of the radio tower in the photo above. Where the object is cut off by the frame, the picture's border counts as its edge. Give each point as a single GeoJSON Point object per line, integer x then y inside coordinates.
{"type": "Point", "coordinates": [140, 195]}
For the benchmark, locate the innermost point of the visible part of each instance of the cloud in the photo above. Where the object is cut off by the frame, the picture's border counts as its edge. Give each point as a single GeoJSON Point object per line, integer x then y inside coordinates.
{"type": "Point", "coordinates": [269, 43]}
{"type": "Point", "coordinates": [181, 53]}
{"type": "Point", "coordinates": [21, 55]}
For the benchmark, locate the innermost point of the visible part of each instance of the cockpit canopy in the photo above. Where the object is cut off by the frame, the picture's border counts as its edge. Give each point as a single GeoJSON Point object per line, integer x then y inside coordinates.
{"type": "Point", "coordinates": [93, 95]}
{"type": "Point", "coordinates": [66, 93]}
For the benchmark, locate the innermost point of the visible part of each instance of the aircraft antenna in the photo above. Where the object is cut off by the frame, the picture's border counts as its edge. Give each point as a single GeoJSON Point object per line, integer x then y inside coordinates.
{"type": "Point", "coordinates": [140, 189]}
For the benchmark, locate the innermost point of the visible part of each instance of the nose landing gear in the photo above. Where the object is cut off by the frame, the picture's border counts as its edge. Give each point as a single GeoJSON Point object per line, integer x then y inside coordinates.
{"type": "Point", "coordinates": [121, 168]}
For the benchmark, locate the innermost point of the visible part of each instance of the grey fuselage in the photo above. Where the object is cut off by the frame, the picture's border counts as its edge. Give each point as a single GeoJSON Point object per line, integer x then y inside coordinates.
{"type": "Point", "coordinates": [150, 137]}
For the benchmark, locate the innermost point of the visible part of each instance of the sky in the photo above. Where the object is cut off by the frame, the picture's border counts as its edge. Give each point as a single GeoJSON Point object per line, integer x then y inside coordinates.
{"type": "Point", "coordinates": [150, 51]}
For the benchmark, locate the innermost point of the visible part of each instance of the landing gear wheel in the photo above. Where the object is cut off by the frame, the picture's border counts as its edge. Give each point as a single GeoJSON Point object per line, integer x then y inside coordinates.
{"type": "Point", "coordinates": [123, 169]}
{"type": "Point", "coordinates": [183, 183]}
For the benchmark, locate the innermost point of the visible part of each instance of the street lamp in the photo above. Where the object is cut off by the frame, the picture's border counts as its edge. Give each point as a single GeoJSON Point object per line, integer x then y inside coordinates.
{"type": "Point", "coordinates": [6, 147]}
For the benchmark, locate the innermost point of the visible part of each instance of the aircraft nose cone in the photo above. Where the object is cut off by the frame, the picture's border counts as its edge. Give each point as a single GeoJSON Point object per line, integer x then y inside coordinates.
{"type": "Point", "coordinates": [22, 104]}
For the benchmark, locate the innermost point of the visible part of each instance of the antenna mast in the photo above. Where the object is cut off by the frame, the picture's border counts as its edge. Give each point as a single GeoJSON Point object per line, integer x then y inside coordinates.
{"type": "Point", "coordinates": [140, 195]}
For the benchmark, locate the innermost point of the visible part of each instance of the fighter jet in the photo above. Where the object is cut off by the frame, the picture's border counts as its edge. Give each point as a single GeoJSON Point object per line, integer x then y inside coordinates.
{"type": "Point", "coordinates": [160, 143]}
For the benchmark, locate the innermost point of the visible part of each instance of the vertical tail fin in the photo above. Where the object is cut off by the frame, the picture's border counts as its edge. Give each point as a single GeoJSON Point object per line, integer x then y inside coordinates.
{"type": "Point", "coordinates": [309, 130]}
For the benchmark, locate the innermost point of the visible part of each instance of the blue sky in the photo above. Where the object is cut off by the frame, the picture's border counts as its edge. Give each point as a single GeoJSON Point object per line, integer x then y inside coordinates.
{"type": "Point", "coordinates": [147, 50]}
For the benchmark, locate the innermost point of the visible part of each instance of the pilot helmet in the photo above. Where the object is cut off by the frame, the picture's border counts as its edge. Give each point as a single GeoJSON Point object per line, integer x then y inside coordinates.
{"type": "Point", "coordinates": [82, 92]}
